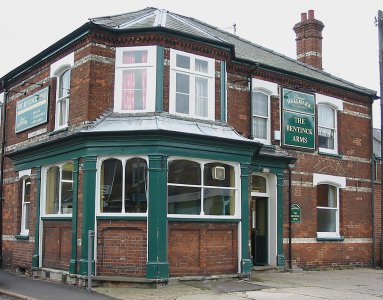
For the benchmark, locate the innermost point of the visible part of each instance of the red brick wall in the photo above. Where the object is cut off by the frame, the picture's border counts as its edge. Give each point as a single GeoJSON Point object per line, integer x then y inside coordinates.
{"type": "Point", "coordinates": [378, 223]}
{"type": "Point", "coordinates": [203, 248]}
{"type": "Point", "coordinates": [121, 247]}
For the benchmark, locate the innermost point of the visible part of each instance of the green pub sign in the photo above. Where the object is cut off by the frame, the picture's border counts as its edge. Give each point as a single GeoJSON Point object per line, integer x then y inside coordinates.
{"type": "Point", "coordinates": [32, 111]}
{"type": "Point", "coordinates": [298, 119]}
{"type": "Point", "coordinates": [295, 213]}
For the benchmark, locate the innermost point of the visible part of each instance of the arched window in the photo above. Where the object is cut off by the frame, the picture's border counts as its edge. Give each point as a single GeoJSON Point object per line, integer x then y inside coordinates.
{"type": "Point", "coordinates": [25, 185]}
{"type": "Point", "coordinates": [123, 185]}
{"type": "Point", "coordinates": [62, 98]}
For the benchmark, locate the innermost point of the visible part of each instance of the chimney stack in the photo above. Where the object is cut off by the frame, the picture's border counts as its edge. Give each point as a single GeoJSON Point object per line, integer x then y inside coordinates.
{"type": "Point", "coordinates": [309, 40]}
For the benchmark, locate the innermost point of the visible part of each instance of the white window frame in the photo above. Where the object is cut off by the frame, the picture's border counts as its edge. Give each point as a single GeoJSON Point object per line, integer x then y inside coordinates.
{"type": "Point", "coordinates": [202, 163]}
{"type": "Point", "coordinates": [43, 197]}
{"type": "Point", "coordinates": [24, 175]}
{"type": "Point", "coordinates": [150, 66]}
{"type": "Point", "coordinates": [123, 159]}
{"type": "Point", "coordinates": [336, 105]}
{"type": "Point", "coordinates": [338, 182]}
{"type": "Point", "coordinates": [254, 115]}
{"type": "Point", "coordinates": [335, 129]}
{"type": "Point", "coordinates": [59, 99]}
{"type": "Point", "coordinates": [57, 69]}
{"type": "Point", "coordinates": [210, 76]}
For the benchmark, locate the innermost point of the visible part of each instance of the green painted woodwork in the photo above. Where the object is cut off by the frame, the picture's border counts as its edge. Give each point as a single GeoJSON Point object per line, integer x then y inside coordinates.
{"type": "Point", "coordinates": [221, 219]}
{"type": "Point", "coordinates": [133, 218]}
{"type": "Point", "coordinates": [35, 257]}
{"type": "Point", "coordinates": [88, 209]}
{"type": "Point", "coordinates": [160, 79]}
{"type": "Point", "coordinates": [223, 92]}
{"type": "Point", "coordinates": [73, 257]}
{"type": "Point", "coordinates": [22, 237]}
{"type": "Point", "coordinates": [246, 261]}
{"type": "Point", "coordinates": [280, 252]}
{"type": "Point", "coordinates": [157, 264]}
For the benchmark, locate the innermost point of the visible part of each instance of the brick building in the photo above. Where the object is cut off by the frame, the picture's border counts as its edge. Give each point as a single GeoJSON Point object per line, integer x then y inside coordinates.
{"type": "Point", "coordinates": [187, 150]}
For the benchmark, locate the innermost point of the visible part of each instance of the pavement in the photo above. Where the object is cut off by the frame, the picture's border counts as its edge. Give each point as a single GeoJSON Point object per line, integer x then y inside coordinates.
{"type": "Point", "coordinates": [352, 284]}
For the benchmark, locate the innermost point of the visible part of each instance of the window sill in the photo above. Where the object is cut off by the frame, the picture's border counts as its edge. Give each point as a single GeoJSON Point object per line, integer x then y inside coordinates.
{"type": "Point", "coordinates": [59, 130]}
{"type": "Point", "coordinates": [330, 239]}
{"type": "Point", "coordinates": [56, 218]}
{"type": "Point", "coordinates": [22, 237]}
{"type": "Point", "coordinates": [321, 152]}
{"type": "Point", "coordinates": [121, 217]}
{"type": "Point", "coordinates": [202, 219]}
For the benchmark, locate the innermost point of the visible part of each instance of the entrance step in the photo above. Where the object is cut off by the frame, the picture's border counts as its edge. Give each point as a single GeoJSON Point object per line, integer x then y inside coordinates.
{"type": "Point", "coordinates": [265, 268]}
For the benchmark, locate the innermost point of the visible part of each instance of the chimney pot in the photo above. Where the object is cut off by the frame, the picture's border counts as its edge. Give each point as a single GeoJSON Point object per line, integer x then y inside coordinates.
{"type": "Point", "coordinates": [303, 17]}
{"type": "Point", "coordinates": [311, 14]}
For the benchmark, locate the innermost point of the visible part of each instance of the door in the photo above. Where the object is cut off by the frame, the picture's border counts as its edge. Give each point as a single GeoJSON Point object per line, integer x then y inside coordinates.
{"type": "Point", "coordinates": [259, 232]}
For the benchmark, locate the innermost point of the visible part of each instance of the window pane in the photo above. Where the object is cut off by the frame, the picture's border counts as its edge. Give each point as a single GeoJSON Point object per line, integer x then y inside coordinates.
{"type": "Point", "coordinates": [27, 190]}
{"type": "Point", "coordinates": [135, 57]}
{"type": "Point", "coordinates": [219, 202]}
{"type": "Point", "coordinates": [136, 185]}
{"type": "Point", "coordinates": [67, 188]}
{"type": "Point", "coordinates": [258, 184]}
{"type": "Point", "coordinates": [201, 101]}
{"type": "Point", "coordinates": [26, 216]}
{"type": "Point", "coordinates": [184, 200]}
{"type": "Point", "coordinates": [260, 104]}
{"type": "Point", "coordinates": [326, 220]}
{"type": "Point", "coordinates": [184, 172]}
{"type": "Point", "coordinates": [326, 196]}
{"type": "Point", "coordinates": [326, 116]}
{"type": "Point", "coordinates": [52, 190]}
{"type": "Point", "coordinates": [111, 186]}
{"type": "Point", "coordinates": [182, 93]}
{"type": "Point", "coordinates": [182, 103]}
{"type": "Point", "coordinates": [218, 174]}
{"type": "Point", "coordinates": [182, 83]}
{"type": "Point", "coordinates": [260, 128]}
{"type": "Point", "coordinates": [64, 84]}
{"type": "Point", "coordinates": [134, 88]}
{"type": "Point", "coordinates": [62, 108]}
{"type": "Point", "coordinates": [182, 61]}
{"type": "Point", "coordinates": [201, 66]}
{"type": "Point", "coordinates": [326, 138]}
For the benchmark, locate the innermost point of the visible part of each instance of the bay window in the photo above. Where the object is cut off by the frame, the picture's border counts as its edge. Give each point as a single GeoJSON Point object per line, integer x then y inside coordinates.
{"type": "Point", "coordinates": [58, 194]}
{"type": "Point", "coordinates": [123, 185]}
{"type": "Point", "coordinates": [202, 188]}
{"type": "Point", "coordinates": [192, 85]}
{"type": "Point", "coordinates": [135, 79]}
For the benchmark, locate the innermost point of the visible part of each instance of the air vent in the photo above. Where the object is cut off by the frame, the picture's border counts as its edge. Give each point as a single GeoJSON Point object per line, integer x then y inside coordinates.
{"type": "Point", "coordinates": [218, 173]}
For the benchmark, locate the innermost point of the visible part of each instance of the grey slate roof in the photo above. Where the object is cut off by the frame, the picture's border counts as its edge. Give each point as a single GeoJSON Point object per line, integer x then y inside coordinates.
{"type": "Point", "coordinates": [116, 122]}
{"type": "Point", "coordinates": [152, 17]}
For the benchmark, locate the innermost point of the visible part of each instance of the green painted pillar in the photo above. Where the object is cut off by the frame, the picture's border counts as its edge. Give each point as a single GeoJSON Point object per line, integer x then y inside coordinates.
{"type": "Point", "coordinates": [73, 258]}
{"type": "Point", "coordinates": [88, 209]}
{"type": "Point", "coordinates": [157, 265]}
{"type": "Point", "coordinates": [35, 257]}
{"type": "Point", "coordinates": [280, 253]}
{"type": "Point", "coordinates": [160, 79]}
{"type": "Point", "coordinates": [246, 264]}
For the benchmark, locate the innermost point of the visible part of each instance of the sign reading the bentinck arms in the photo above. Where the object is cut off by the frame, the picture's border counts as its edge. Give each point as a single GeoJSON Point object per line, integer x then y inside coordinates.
{"type": "Point", "coordinates": [298, 119]}
{"type": "Point", "coordinates": [32, 111]}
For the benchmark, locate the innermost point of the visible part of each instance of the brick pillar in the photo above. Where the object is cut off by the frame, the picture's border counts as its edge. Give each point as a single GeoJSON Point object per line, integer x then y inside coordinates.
{"type": "Point", "coordinates": [309, 40]}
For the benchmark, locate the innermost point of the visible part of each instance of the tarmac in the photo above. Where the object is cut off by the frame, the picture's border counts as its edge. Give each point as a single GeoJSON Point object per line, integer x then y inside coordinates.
{"type": "Point", "coordinates": [355, 284]}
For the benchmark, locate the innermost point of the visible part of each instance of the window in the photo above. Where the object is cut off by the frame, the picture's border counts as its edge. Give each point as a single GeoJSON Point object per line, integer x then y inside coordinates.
{"type": "Point", "coordinates": [378, 169]}
{"type": "Point", "coordinates": [25, 184]}
{"type": "Point", "coordinates": [123, 185]}
{"type": "Point", "coordinates": [202, 188]}
{"type": "Point", "coordinates": [135, 79]}
{"type": "Point", "coordinates": [259, 184]}
{"type": "Point", "coordinates": [327, 211]}
{"type": "Point", "coordinates": [59, 189]}
{"type": "Point", "coordinates": [62, 99]}
{"type": "Point", "coordinates": [192, 85]}
{"type": "Point", "coordinates": [327, 133]}
{"type": "Point", "coordinates": [261, 116]}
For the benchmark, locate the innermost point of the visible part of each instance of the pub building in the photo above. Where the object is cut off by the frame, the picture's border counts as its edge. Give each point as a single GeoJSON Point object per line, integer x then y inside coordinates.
{"type": "Point", "coordinates": [187, 151]}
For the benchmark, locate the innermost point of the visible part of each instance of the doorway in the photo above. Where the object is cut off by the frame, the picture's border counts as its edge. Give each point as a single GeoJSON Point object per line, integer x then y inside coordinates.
{"type": "Point", "coordinates": [259, 231]}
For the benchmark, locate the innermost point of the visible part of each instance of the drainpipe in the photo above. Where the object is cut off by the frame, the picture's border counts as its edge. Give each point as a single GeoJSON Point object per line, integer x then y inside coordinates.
{"type": "Point", "coordinates": [380, 32]}
{"type": "Point", "coordinates": [252, 72]}
{"type": "Point", "coordinates": [4, 116]}
{"type": "Point", "coordinates": [289, 216]}
{"type": "Point", "coordinates": [372, 190]}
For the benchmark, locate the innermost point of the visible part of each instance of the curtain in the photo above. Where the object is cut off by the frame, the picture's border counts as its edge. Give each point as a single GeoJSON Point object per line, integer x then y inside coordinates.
{"type": "Point", "coordinates": [260, 128]}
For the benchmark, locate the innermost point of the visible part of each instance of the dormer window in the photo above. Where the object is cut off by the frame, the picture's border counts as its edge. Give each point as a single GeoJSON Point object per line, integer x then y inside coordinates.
{"type": "Point", "coordinates": [135, 79]}
{"type": "Point", "coordinates": [192, 85]}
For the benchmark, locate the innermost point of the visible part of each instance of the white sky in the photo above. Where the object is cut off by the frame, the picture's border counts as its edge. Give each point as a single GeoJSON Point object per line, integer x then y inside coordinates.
{"type": "Point", "coordinates": [350, 37]}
